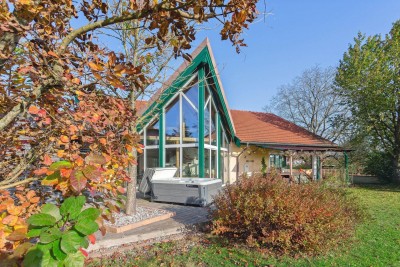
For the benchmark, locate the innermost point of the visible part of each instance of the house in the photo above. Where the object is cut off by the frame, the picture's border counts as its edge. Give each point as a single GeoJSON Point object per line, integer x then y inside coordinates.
{"type": "Point", "coordinates": [188, 124]}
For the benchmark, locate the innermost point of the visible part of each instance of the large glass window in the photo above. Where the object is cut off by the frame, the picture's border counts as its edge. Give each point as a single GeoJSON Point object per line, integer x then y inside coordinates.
{"type": "Point", "coordinates": [172, 123]}
{"type": "Point", "coordinates": [213, 162]}
{"type": "Point", "coordinates": [190, 162]}
{"type": "Point", "coordinates": [173, 158]}
{"type": "Point", "coordinates": [190, 122]}
{"type": "Point", "coordinates": [152, 133]}
{"type": "Point", "coordinates": [181, 136]}
{"type": "Point", "coordinates": [207, 171]}
{"type": "Point", "coordinates": [213, 128]}
{"type": "Point", "coordinates": [152, 158]}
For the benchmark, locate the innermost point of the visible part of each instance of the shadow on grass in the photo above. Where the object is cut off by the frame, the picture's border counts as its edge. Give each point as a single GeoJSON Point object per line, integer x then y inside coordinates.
{"type": "Point", "coordinates": [388, 187]}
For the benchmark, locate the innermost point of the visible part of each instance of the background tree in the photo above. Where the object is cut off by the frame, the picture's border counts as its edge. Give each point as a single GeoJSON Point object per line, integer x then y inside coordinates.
{"type": "Point", "coordinates": [310, 101]}
{"type": "Point", "coordinates": [67, 93]}
{"type": "Point", "coordinates": [369, 81]}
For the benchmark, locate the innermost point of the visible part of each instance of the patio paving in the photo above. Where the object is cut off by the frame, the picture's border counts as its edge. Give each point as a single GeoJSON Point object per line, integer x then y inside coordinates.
{"type": "Point", "coordinates": [182, 222]}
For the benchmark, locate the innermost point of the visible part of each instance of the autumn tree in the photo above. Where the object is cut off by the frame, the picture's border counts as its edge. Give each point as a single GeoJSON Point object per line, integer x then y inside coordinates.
{"type": "Point", "coordinates": [369, 81]}
{"type": "Point", "coordinates": [310, 101]}
{"type": "Point", "coordinates": [67, 94]}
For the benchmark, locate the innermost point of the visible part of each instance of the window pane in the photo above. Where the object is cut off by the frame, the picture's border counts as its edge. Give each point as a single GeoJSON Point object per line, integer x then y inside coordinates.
{"type": "Point", "coordinates": [152, 158]}
{"type": "Point", "coordinates": [172, 129]}
{"type": "Point", "coordinates": [190, 162]}
{"type": "Point", "coordinates": [213, 163]}
{"type": "Point", "coordinates": [172, 158]}
{"type": "Point", "coordinates": [207, 173]}
{"type": "Point", "coordinates": [152, 133]}
{"type": "Point", "coordinates": [193, 94]}
{"type": "Point", "coordinates": [207, 124]}
{"type": "Point", "coordinates": [140, 165]}
{"type": "Point", "coordinates": [213, 127]}
{"type": "Point", "coordinates": [190, 123]}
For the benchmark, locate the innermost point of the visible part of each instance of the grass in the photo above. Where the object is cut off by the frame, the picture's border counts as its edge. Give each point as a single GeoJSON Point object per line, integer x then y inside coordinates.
{"type": "Point", "coordinates": [376, 243]}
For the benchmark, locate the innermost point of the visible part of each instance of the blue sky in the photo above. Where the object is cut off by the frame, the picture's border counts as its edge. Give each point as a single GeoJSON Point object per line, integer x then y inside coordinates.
{"type": "Point", "coordinates": [296, 36]}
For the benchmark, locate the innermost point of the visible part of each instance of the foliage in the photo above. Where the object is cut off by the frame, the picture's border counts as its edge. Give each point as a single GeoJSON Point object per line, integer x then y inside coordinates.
{"type": "Point", "coordinates": [263, 167]}
{"type": "Point", "coordinates": [379, 164]}
{"type": "Point", "coordinates": [368, 81]}
{"type": "Point", "coordinates": [375, 243]}
{"type": "Point", "coordinates": [310, 101]}
{"type": "Point", "coordinates": [56, 236]}
{"type": "Point", "coordinates": [13, 215]}
{"type": "Point", "coordinates": [289, 219]}
{"type": "Point", "coordinates": [67, 113]}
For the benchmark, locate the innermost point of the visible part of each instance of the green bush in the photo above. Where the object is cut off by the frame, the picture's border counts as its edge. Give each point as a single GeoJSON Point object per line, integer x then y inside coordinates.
{"type": "Point", "coordinates": [380, 165]}
{"type": "Point", "coordinates": [62, 234]}
{"type": "Point", "coordinates": [284, 218]}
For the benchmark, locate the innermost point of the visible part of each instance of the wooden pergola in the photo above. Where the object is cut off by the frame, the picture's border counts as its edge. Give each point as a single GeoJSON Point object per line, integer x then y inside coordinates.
{"type": "Point", "coordinates": [317, 151]}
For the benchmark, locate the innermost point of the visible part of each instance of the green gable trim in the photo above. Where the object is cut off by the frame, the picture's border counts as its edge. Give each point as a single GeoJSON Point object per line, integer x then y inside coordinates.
{"type": "Point", "coordinates": [170, 92]}
{"type": "Point", "coordinates": [201, 122]}
{"type": "Point", "coordinates": [197, 63]}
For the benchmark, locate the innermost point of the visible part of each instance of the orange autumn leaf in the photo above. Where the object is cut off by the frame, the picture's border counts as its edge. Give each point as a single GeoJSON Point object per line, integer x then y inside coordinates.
{"type": "Point", "coordinates": [64, 139]}
{"type": "Point", "coordinates": [60, 153]}
{"type": "Point", "coordinates": [34, 200]}
{"type": "Point", "coordinates": [65, 173]}
{"type": "Point", "coordinates": [33, 109]}
{"type": "Point", "coordinates": [10, 220]}
{"type": "Point", "coordinates": [47, 160]}
{"type": "Point", "coordinates": [41, 171]}
{"type": "Point", "coordinates": [14, 210]}
{"type": "Point", "coordinates": [92, 238]}
{"type": "Point", "coordinates": [30, 194]}
{"type": "Point", "coordinates": [103, 141]}
{"type": "Point", "coordinates": [51, 53]}
{"type": "Point", "coordinates": [95, 66]}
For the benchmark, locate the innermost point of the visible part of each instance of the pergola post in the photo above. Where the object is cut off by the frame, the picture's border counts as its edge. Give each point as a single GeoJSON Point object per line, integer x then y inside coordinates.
{"type": "Point", "coordinates": [346, 164]}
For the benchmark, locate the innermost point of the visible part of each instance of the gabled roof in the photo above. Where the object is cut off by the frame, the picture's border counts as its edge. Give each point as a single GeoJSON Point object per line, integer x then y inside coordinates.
{"type": "Point", "coordinates": [267, 128]}
{"type": "Point", "coordinates": [202, 54]}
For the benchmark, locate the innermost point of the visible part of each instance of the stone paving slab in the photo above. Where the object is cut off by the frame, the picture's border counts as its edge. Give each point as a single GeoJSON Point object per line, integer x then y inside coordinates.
{"type": "Point", "coordinates": [183, 220]}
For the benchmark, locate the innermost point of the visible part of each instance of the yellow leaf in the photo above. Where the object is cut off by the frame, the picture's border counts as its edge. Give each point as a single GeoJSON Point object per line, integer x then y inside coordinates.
{"type": "Point", "coordinates": [60, 153]}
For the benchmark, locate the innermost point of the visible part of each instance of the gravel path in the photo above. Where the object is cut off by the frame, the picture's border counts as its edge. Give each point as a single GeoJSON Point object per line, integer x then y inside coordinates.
{"type": "Point", "coordinates": [142, 213]}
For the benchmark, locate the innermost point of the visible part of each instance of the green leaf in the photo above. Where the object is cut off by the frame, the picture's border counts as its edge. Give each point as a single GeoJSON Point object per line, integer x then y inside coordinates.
{"type": "Point", "coordinates": [52, 210]}
{"type": "Point", "coordinates": [50, 235]}
{"type": "Point", "coordinates": [90, 214]}
{"type": "Point", "coordinates": [41, 219]}
{"type": "Point", "coordinates": [39, 256]}
{"type": "Point", "coordinates": [62, 164]}
{"type": "Point", "coordinates": [34, 232]}
{"type": "Point", "coordinates": [86, 226]}
{"type": "Point", "coordinates": [72, 206]}
{"type": "Point", "coordinates": [85, 243]}
{"type": "Point", "coordinates": [48, 260]}
{"type": "Point", "coordinates": [74, 260]}
{"type": "Point", "coordinates": [33, 258]}
{"type": "Point", "coordinates": [70, 242]}
{"type": "Point", "coordinates": [52, 179]}
{"type": "Point", "coordinates": [57, 252]}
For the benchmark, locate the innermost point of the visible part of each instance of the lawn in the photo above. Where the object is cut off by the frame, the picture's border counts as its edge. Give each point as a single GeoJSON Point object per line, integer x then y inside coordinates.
{"type": "Point", "coordinates": [376, 243]}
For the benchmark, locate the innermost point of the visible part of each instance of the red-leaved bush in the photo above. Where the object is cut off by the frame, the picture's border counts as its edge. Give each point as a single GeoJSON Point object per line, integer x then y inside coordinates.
{"type": "Point", "coordinates": [284, 218]}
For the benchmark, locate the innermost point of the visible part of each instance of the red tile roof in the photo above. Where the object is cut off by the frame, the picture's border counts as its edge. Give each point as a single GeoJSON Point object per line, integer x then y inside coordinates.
{"type": "Point", "coordinates": [260, 127]}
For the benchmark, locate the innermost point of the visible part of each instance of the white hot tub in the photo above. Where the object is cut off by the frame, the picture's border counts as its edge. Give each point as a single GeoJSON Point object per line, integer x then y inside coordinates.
{"type": "Point", "coordinates": [190, 191]}
{"type": "Point", "coordinates": [164, 187]}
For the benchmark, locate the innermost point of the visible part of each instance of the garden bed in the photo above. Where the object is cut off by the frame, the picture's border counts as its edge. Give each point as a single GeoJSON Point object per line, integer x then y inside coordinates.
{"type": "Point", "coordinates": [143, 216]}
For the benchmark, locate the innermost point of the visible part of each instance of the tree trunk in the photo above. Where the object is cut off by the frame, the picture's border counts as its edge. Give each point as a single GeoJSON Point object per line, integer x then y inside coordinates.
{"type": "Point", "coordinates": [396, 168]}
{"type": "Point", "coordinates": [130, 207]}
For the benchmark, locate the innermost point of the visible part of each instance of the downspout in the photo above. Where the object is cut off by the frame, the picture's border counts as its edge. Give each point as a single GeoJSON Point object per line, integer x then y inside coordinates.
{"type": "Point", "coordinates": [237, 161]}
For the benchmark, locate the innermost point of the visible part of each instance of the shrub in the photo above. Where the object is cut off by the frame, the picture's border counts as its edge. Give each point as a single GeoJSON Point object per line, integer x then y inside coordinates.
{"type": "Point", "coordinates": [284, 218]}
{"type": "Point", "coordinates": [380, 164]}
